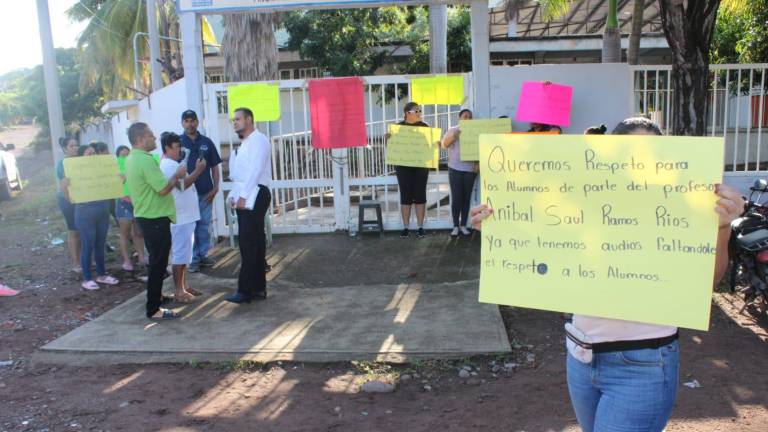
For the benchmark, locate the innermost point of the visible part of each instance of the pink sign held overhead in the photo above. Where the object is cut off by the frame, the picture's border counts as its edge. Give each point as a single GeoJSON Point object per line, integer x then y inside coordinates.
{"type": "Point", "coordinates": [545, 103]}
{"type": "Point", "coordinates": [337, 112]}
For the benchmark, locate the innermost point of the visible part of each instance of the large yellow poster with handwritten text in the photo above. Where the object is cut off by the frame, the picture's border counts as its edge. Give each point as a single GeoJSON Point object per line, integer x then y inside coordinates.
{"type": "Point", "coordinates": [413, 146]}
{"type": "Point", "coordinates": [619, 227]}
{"type": "Point", "coordinates": [93, 178]}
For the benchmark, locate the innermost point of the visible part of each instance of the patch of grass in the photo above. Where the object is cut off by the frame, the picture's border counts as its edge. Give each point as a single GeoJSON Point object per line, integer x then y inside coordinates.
{"type": "Point", "coordinates": [244, 366]}
{"type": "Point", "coordinates": [433, 365]}
{"type": "Point", "coordinates": [197, 365]}
{"type": "Point", "coordinates": [372, 367]}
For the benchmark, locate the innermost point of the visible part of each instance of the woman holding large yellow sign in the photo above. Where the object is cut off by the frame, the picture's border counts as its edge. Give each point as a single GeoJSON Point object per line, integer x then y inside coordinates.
{"type": "Point", "coordinates": [412, 180]}
{"type": "Point", "coordinates": [92, 221]}
{"type": "Point", "coordinates": [623, 375]}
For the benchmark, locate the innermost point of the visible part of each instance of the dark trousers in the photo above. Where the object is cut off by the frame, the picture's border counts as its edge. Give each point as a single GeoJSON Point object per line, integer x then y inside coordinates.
{"type": "Point", "coordinates": [252, 279]}
{"type": "Point", "coordinates": [157, 237]}
{"type": "Point", "coordinates": [461, 192]}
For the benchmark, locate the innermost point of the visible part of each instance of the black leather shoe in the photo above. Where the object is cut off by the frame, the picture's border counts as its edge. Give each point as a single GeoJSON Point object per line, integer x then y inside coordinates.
{"type": "Point", "coordinates": [260, 296]}
{"type": "Point", "coordinates": [238, 298]}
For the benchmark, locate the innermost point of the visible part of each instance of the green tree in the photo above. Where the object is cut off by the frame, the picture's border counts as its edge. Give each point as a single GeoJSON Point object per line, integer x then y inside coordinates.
{"type": "Point", "coordinates": [354, 42]}
{"type": "Point", "coordinates": [359, 42]}
{"type": "Point", "coordinates": [459, 40]}
{"type": "Point", "coordinates": [106, 44]}
{"type": "Point", "coordinates": [27, 96]}
{"type": "Point", "coordinates": [740, 35]}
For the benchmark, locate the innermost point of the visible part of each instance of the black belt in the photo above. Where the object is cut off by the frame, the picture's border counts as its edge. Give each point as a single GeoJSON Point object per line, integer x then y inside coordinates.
{"type": "Point", "coordinates": [630, 345]}
{"type": "Point", "coordinates": [604, 347]}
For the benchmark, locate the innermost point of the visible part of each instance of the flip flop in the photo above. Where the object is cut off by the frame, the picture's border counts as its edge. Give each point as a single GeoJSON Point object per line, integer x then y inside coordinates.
{"type": "Point", "coordinates": [107, 280]}
{"type": "Point", "coordinates": [90, 285]}
{"type": "Point", "coordinates": [167, 315]}
{"type": "Point", "coordinates": [128, 267]}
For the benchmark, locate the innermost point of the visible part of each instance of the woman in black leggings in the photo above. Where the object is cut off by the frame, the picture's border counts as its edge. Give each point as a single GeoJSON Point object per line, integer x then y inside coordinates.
{"type": "Point", "coordinates": [461, 176]}
{"type": "Point", "coordinates": [412, 181]}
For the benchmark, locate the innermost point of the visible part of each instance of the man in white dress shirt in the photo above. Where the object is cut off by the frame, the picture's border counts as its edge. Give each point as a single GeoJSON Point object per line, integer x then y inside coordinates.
{"type": "Point", "coordinates": [251, 175]}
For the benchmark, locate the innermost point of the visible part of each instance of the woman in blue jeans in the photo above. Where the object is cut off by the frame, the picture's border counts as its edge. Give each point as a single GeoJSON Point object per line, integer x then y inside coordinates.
{"type": "Point", "coordinates": [92, 221]}
{"type": "Point", "coordinates": [461, 177]}
{"type": "Point", "coordinates": [69, 146]}
{"type": "Point", "coordinates": [627, 381]}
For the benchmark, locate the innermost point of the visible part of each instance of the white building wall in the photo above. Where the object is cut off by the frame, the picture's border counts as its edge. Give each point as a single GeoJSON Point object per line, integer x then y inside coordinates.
{"type": "Point", "coordinates": [602, 93]}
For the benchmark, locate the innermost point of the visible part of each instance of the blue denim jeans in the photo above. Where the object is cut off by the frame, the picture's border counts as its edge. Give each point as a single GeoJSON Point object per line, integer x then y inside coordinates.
{"type": "Point", "coordinates": [625, 391]}
{"type": "Point", "coordinates": [92, 220]}
{"type": "Point", "coordinates": [203, 231]}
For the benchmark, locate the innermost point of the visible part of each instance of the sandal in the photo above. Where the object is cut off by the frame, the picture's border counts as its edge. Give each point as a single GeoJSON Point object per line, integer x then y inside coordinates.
{"type": "Point", "coordinates": [184, 297]}
{"type": "Point", "coordinates": [90, 285]}
{"type": "Point", "coordinates": [193, 291]}
{"type": "Point", "coordinates": [167, 315]}
{"type": "Point", "coordinates": [128, 267]}
{"type": "Point", "coordinates": [77, 269]}
{"type": "Point", "coordinates": [107, 280]}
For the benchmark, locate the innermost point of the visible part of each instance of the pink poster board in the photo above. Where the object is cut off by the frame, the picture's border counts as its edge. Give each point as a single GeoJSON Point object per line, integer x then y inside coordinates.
{"type": "Point", "coordinates": [337, 113]}
{"type": "Point", "coordinates": [545, 103]}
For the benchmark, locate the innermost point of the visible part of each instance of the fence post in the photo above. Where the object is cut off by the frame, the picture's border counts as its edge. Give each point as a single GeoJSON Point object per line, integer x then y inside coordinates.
{"type": "Point", "coordinates": [341, 187]}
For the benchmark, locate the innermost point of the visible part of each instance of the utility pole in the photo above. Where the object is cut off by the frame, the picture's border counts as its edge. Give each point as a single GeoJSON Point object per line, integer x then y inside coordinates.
{"type": "Point", "coordinates": [52, 92]}
{"type": "Point", "coordinates": [154, 46]}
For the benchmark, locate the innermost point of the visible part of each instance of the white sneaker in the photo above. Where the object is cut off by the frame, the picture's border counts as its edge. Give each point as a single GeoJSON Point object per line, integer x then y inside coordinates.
{"type": "Point", "coordinates": [455, 232]}
{"type": "Point", "coordinates": [464, 231]}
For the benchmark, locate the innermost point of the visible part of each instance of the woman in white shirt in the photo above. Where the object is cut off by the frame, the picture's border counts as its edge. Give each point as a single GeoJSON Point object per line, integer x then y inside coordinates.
{"type": "Point", "coordinates": [628, 379]}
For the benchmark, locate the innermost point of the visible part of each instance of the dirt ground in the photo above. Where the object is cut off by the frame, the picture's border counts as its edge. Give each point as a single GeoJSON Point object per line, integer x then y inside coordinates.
{"type": "Point", "coordinates": [524, 391]}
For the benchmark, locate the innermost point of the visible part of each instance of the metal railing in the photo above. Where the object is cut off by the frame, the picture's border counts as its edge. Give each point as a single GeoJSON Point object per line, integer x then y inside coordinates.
{"type": "Point", "coordinates": [737, 108]}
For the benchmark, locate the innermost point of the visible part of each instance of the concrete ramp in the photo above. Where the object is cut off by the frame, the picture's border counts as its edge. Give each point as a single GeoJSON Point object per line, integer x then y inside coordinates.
{"type": "Point", "coordinates": [394, 323]}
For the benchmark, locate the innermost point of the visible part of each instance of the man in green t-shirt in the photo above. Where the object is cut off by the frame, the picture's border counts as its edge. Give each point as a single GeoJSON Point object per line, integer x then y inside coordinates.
{"type": "Point", "coordinates": [153, 209]}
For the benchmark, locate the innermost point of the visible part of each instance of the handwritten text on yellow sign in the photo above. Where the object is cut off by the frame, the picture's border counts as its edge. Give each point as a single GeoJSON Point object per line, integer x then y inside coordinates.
{"type": "Point", "coordinates": [93, 178]}
{"type": "Point", "coordinates": [470, 134]}
{"type": "Point", "coordinates": [413, 146]}
{"type": "Point", "coordinates": [611, 226]}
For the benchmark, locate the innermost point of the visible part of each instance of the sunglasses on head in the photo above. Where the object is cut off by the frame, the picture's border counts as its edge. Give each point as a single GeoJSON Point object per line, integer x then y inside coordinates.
{"type": "Point", "coordinates": [415, 111]}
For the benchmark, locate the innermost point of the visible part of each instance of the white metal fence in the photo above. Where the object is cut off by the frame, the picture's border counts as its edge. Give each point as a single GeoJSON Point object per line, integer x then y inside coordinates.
{"type": "Point", "coordinates": [318, 190]}
{"type": "Point", "coordinates": [737, 109]}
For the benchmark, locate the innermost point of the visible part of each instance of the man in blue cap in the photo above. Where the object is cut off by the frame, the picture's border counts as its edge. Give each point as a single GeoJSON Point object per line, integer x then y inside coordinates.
{"type": "Point", "coordinates": [200, 146]}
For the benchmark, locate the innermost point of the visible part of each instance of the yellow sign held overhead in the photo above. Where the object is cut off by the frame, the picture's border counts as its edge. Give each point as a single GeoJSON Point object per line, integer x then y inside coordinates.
{"type": "Point", "coordinates": [441, 90]}
{"type": "Point", "coordinates": [263, 99]}
{"type": "Point", "coordinates": [413, 146]}
{"type": "Point", "coordinates": [470, 134]}
{"type": "Point", "coordinates": [93, 178]}
{"type": "Point", "coordinates": [619, 227]}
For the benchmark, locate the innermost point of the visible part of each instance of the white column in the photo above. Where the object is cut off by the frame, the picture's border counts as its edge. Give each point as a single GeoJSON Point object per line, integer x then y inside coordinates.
{"type": "Point", "coordinates": [341, 188]}
{"type": "Point", "coordinates": [154, 46]}
{"type": "Point", "coordinates": [52, 92]}
{"type": "Point", "coordinates": [194, 74]}
{"type": "Point", "coordinates": [481, 58]}
{"type": "Point", "coordinates": [438, 38]}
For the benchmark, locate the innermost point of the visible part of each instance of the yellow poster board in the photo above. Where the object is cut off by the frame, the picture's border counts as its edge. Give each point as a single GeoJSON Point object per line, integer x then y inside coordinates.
{"type": "Point", "coordinates": [440, 89]}
{"type": "Point", "coordinates": [93, 178]}
{"type": "Point", "coordinates": [619, 227]}
{"type": "Point", "coordinates": [470, 135]}
{"type": "Point", "coordinates": [413, 146]}
{"type": "Point", "coordinates": [262, 99]}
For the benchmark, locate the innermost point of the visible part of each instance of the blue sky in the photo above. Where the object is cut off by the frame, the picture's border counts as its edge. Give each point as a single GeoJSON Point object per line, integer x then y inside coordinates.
{"type": "Point", "coordinates": [20, 35]}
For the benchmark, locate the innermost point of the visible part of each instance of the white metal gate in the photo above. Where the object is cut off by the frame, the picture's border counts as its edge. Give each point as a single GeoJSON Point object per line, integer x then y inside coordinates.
{"type": "Point", "coordinates": [318, 190]}
{"type": "Point", "coordinates": [738, 109]}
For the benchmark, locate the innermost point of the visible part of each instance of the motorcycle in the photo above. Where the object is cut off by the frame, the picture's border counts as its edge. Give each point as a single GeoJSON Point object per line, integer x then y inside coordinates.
{"type": "Point", "coordinates": [748, 251]}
